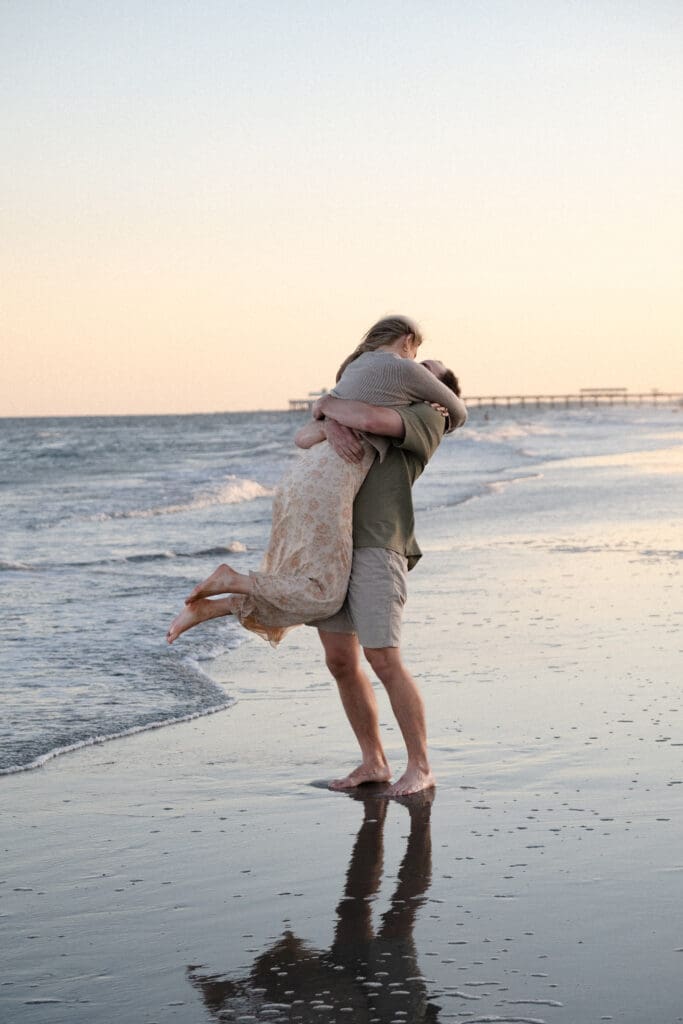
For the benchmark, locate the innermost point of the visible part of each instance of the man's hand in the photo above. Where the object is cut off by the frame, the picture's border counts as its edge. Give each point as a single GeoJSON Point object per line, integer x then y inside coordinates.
{"type": "Point", "coordinates": [344, 441]}
{"type": "Point", "coordinates": [439, 408]}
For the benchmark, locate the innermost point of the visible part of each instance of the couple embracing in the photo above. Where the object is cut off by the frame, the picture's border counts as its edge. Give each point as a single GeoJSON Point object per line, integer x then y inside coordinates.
{"type": "Point", "coordinates": [342, 539]}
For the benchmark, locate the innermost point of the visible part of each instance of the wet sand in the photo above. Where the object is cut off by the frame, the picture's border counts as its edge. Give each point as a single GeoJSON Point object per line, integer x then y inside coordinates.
{"type": "Point", "coordinates": [203, 872]}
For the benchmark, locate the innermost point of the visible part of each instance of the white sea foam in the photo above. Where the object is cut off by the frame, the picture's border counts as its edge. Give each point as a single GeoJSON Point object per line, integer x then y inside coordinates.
{"type": "Point", "coordinates": [232, 492]}
{"type": "Point", "coordinates": [233, 548]}
{"type": "Point", "coordinates": [506, 432]}
{"type": "Point", "coordinates": [93, 741]}
{"type": "Point", "coordinates": [498, 486]}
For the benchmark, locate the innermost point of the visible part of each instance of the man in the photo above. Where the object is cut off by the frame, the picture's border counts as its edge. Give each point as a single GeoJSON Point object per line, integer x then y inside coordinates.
{"type": "Point", "coordinates": [385, 549]}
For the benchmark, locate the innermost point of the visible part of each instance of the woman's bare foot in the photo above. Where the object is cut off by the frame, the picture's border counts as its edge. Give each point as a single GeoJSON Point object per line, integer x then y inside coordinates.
{"type": "Point", "coordinates": [223, 580]}
{"type": "Point", "coordinates": [193, 614]}
{"type": "Point", "coordinates": [363, 773]}
{"type": "Point", "coordinates": [413, 780]}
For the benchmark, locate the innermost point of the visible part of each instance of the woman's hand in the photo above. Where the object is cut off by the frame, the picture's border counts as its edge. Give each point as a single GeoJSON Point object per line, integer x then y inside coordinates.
{"type": "Point", "coordinates": [316, 409]}
{"type": "Point", "coordinates": [311, 433]}
{"type": "Point", "coordinates": [344, 441]}
{"type": "Point", "coordinates": [439, 408]}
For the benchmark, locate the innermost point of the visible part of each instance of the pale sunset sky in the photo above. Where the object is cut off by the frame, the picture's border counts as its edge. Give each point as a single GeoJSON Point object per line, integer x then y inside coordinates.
{"type": "Point", "coordinates": [205, 203]}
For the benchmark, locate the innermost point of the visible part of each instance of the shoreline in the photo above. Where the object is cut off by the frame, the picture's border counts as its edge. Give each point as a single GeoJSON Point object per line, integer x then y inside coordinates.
{"type": "Point", "coordinates": [95, 741]}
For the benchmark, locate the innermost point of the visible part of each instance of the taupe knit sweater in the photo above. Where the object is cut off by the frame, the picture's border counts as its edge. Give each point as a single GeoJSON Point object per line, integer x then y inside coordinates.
{"type": "Point", "coordinates": [383, 378]}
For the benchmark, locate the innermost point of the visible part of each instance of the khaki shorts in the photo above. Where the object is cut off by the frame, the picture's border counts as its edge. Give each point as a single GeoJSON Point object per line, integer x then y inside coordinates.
{"type": "Point", "coordinates": [377, 592]}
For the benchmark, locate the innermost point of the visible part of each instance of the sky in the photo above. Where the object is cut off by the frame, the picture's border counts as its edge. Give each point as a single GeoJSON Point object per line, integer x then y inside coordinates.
{"type": "Point", "coordinates": [205, 203]}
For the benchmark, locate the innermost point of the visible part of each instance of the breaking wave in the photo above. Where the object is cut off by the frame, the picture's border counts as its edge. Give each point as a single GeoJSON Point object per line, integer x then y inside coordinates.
{"type": "Point", "coordinates": [232, 492]}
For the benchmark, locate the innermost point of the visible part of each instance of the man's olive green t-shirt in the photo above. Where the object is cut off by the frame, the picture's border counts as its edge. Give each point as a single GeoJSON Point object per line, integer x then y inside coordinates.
{"type": "Point", "coordinates": [383, 515]}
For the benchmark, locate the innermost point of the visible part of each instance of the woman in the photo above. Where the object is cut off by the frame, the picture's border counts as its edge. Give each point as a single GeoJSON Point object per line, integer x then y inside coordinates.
{"type": "Point", "coordinates": [305, 570]}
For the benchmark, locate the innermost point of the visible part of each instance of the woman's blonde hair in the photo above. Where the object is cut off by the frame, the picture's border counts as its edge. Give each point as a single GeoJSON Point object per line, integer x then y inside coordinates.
{"type": "Point", "coordinates": [386, 331]}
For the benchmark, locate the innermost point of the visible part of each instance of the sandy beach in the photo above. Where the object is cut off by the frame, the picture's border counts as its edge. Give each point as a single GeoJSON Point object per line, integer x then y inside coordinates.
{"type": "Point", "coordinates": [203, 871]}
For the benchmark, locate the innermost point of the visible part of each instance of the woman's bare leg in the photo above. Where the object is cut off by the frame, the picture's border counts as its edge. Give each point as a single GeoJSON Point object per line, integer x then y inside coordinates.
{"type": "Point", "coordinates": [223, 580]}
{"type": "Point", "coordinates": [198, 611]}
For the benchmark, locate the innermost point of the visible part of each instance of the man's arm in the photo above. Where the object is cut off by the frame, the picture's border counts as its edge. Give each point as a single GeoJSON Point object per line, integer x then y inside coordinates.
{"type": "Point", "coordinates": [423, 427]}
{"type": "Point", "coordinates": [374, 419]}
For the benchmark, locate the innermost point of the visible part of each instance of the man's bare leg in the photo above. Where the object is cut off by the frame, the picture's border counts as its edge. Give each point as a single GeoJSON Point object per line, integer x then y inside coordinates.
{"type": "Point", "coordinates": [198, 611]}
{"type": "Point", "coordinates": [413, 880]}
{"type": "Point", "coordinates": [408, 707]}
{"type": "Point", "coordinates": [363, 881]}
{"type": "Point", "coordinates": [342, 654]}
{"type": "Point", "coordinates": [223, 580]}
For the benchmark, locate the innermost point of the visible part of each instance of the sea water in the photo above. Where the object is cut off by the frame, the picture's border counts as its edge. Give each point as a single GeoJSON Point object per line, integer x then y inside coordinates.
{"type": "Point", "coordinates": [107, 523]}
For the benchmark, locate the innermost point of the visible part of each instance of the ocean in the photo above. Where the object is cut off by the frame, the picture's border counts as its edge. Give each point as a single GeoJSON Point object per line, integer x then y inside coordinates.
{"type": "Point", "coordinates": [107, 523]}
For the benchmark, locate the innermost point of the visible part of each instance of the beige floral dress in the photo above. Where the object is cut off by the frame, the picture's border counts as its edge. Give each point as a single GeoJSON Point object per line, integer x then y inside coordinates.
{"type": "Point", "coordinates": [306, 567]}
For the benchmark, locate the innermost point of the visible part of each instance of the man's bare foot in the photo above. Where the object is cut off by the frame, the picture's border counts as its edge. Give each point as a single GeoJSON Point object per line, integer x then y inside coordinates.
{"type": "Point", "coordinates": [413, 780]}
{"type": "Point", "coordinates": [192, 615]}
{"type": "Point", "coordinates": [363, 773]}
{"type": "Point", "coordinates": [221, 581]}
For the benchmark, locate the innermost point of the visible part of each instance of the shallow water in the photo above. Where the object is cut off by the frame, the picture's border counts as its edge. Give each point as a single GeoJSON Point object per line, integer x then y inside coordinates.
{"type": "Point", "coordinates": [106, 523]}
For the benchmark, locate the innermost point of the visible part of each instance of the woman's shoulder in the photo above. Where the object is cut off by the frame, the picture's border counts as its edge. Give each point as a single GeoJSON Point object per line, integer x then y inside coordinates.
{"type": "Point", "coordinates": [376, 365]}
{"type": "Point", "coordinates": [378, 357]}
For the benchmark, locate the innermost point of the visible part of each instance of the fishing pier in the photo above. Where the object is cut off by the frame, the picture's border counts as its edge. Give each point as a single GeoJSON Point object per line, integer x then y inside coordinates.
{"type": "Point", "coordinates": [585, 396]}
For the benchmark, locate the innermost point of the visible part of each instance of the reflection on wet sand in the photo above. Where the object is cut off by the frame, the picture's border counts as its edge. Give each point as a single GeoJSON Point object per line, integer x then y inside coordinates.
{"type": "Point", "coordinates": [367, 975]}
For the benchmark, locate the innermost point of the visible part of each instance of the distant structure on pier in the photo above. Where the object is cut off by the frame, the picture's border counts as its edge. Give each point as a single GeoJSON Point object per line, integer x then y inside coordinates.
{"type": "Point", "coordinates": [585, 396]}
{"type": "Point", "coordinates": [305, 404]}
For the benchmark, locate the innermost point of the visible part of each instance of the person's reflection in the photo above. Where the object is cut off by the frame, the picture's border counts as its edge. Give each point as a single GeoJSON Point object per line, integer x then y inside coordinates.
{"type": "Point", "coordinates": [367, 975]}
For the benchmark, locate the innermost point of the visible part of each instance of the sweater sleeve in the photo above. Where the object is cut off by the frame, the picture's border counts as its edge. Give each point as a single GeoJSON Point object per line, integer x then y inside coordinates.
{"type": "Point", "coordinates": [421, 385]}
